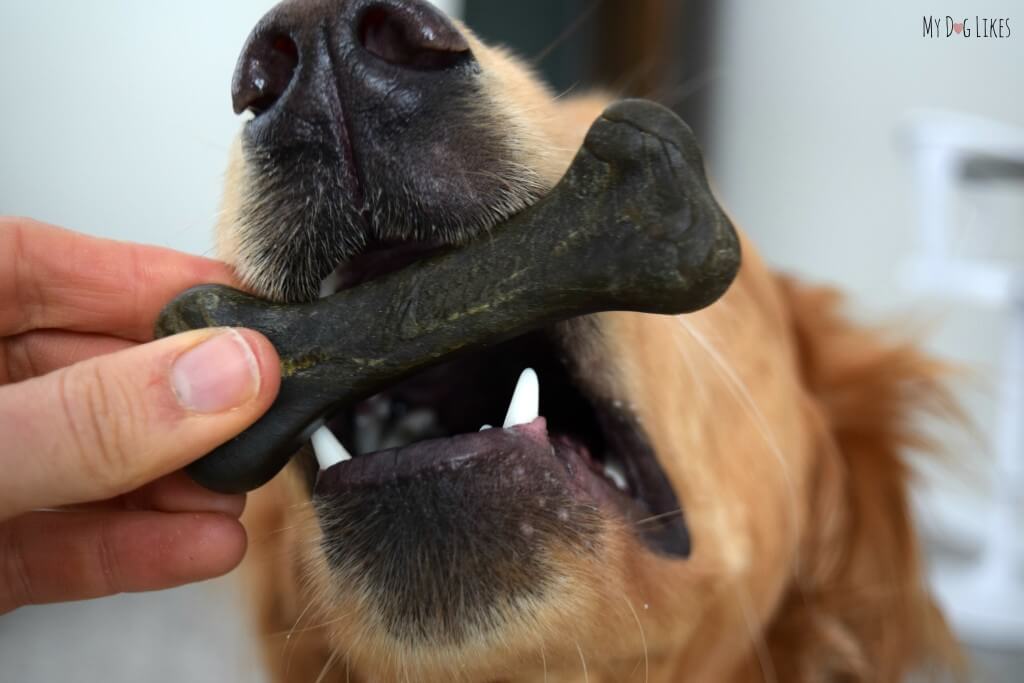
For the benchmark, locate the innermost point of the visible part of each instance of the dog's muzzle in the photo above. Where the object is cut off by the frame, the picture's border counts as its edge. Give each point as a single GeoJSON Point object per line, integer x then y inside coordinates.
{"type": "Point", "coordinates": [632, 226]}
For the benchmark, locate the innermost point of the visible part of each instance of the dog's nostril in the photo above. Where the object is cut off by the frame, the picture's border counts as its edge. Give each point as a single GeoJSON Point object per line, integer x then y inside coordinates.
{"type": "Point", "coordinates": [264, 71]}
{"type": "Point", "coordinates": [412, 37]}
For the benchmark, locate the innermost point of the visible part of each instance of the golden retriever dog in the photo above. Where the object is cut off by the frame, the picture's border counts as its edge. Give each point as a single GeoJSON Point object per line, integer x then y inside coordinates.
{"type": "Point", "coordinates": [761, 438]}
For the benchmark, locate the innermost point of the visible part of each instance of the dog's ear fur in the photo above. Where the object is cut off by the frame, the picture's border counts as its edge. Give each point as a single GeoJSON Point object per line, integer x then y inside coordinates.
{"type": "Point", "coordinates": [859, 609]}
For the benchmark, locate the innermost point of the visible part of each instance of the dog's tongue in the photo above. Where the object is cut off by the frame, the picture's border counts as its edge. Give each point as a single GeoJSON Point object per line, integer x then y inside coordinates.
{"type": "Point", "coordinates": [632, 226]}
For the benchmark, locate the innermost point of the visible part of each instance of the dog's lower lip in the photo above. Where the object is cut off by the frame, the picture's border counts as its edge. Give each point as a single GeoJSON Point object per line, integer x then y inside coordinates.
{"type": "Point", "coordinates": [522, 453]}
{"type": "Point", "coordinates": [411, 461]}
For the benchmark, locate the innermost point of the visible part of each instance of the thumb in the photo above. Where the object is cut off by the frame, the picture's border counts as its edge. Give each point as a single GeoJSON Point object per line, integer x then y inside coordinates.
{"type": "Point", "coordinates": [108, 425]}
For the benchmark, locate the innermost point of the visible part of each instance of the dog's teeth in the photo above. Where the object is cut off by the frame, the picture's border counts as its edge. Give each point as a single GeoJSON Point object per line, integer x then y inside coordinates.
{"type": "Point", "coordinates": [329, 285]}
{"type": "Point", "coordinates": [525, 405]}
{"type": "Point", "coordinates": [418, 423]}
{"type": "Point", "coordinates": [329, 451]}
{"type": "Point", "coordinates": [369, 433]}
{"type": "Point", "coordinates": [614, 472]}
{"type": "Point", "coordinates": [484, 428]}
{"type": "Point", "coordinates": [413, 427]}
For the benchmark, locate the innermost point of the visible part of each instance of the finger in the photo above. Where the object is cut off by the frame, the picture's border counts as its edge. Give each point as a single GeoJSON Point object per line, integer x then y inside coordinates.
{"type": "Point", "coordinates": [42, 351]}
{"type": "Point", "coordinates": [54, 278]}
{"type": "Point", "coordinates": [174, 493]}
{"type": "Point", "coordinates": [110, 425]}
{"type": "Point", "coordinates": [58, 556]}
{"type": "Point", "coordinates": [178, 493]}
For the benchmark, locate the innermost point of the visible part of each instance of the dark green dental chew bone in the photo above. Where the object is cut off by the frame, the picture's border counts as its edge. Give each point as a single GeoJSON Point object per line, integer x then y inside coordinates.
{"type": "Point", "coordinates": [631, 227]}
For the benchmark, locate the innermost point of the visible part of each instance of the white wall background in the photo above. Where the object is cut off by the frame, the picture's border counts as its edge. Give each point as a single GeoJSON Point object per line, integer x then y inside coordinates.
{"type": "Point", "coordinates": [810, 97]}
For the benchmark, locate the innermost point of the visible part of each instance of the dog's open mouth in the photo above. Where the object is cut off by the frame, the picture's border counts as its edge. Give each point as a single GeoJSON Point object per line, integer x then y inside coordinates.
{"type": "Point", "coordinates": [412, 352]}
{"type": "Point", "coordinates": [528, 402]}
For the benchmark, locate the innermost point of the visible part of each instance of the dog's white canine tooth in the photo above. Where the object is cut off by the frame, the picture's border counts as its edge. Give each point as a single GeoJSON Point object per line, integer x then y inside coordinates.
{"type": "Point", "coordinates": [484, 428]}
{"type": "Point", "coordinates": [329, 451]}
{"type": "Point", "coordinates": [525, 405]}
{"type": "Point", "coordinates": [615, 473]}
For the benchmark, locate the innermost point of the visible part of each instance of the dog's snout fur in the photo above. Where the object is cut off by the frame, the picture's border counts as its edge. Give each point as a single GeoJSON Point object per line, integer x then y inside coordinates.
{"type": "Point", "coordinates": [375, 123]}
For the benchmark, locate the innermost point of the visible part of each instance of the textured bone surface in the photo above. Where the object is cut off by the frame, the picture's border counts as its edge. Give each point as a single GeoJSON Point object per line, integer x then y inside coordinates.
{"type": "Point", "coordinates": [632, 226]}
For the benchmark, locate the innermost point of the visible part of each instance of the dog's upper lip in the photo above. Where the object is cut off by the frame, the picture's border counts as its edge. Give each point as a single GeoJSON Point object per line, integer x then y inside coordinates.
{"type": "Point", "coordinates": [379, 259]}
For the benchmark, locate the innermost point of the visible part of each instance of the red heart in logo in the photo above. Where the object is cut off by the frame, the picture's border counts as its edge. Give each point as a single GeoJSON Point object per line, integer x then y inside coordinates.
{"type": "Point", "coordinates": [958, 27]}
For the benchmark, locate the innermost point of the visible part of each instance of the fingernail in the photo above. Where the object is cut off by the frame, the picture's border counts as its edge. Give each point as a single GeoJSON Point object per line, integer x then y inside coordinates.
{"type": "Point", "coordinates": [220, 374]}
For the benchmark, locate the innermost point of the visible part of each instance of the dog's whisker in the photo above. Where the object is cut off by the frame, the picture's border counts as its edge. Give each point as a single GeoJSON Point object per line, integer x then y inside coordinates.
{"type": "Point", "coordinates": [583, 661]}
{"type": "Point", "coordinates": [298, 620]}
{"type": "Point", "coordinates": [327, 666]}
{"type": "Point", "coordinates": [643, 637]}
{"type": "Point", "coordinates": [659, 517]}
{"type": "Point", "coordinates": [288, 638]}
{"type": "Point", "coordinates": [348, 659]}
{"type": "Point", "coordinates": [568, 33]}
{"type": "Point", "coordinates": [739, 389]}
{"type": "Point", "coordinates": [698, 381]}
{"type": "Point", "coordinates": [324, 624]}
{"type": "Point", "coordinates": [568, 91]}
{"type": "Point", "coordinates": [645, 66]}
{"type": "Point", "coordinates": [757, 640]}
{"type": "Point", "coordinates": [313, 627]}
{"type": "Point", "coordinates": [678, 94]}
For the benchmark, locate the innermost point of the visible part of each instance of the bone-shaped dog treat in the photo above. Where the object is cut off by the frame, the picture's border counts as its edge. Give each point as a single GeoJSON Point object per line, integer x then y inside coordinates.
{"type": "Point", "coordinates": [631, 227]}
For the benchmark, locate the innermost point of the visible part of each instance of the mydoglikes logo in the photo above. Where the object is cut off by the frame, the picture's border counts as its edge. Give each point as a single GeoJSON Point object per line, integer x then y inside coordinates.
{"type": "Point", "coordinates": [968, 27]}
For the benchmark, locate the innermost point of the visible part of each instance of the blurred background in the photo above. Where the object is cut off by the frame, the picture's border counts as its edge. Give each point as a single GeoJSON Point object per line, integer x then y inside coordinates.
{"type": "Point", "coordinates": [854, 150]}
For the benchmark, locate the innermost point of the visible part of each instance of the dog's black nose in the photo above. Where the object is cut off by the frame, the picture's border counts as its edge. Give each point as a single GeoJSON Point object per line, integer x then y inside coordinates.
{"type": "Point", "coordinates": [264, 72]}
{"type": "Point", "coordinates": [412, 35]}
{"type": "Point", "coordinates": [402, 36]}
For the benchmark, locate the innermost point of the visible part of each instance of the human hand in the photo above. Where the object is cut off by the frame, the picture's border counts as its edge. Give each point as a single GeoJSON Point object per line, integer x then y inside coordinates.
{"type": "Point", "coordinates": [96, 423]}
